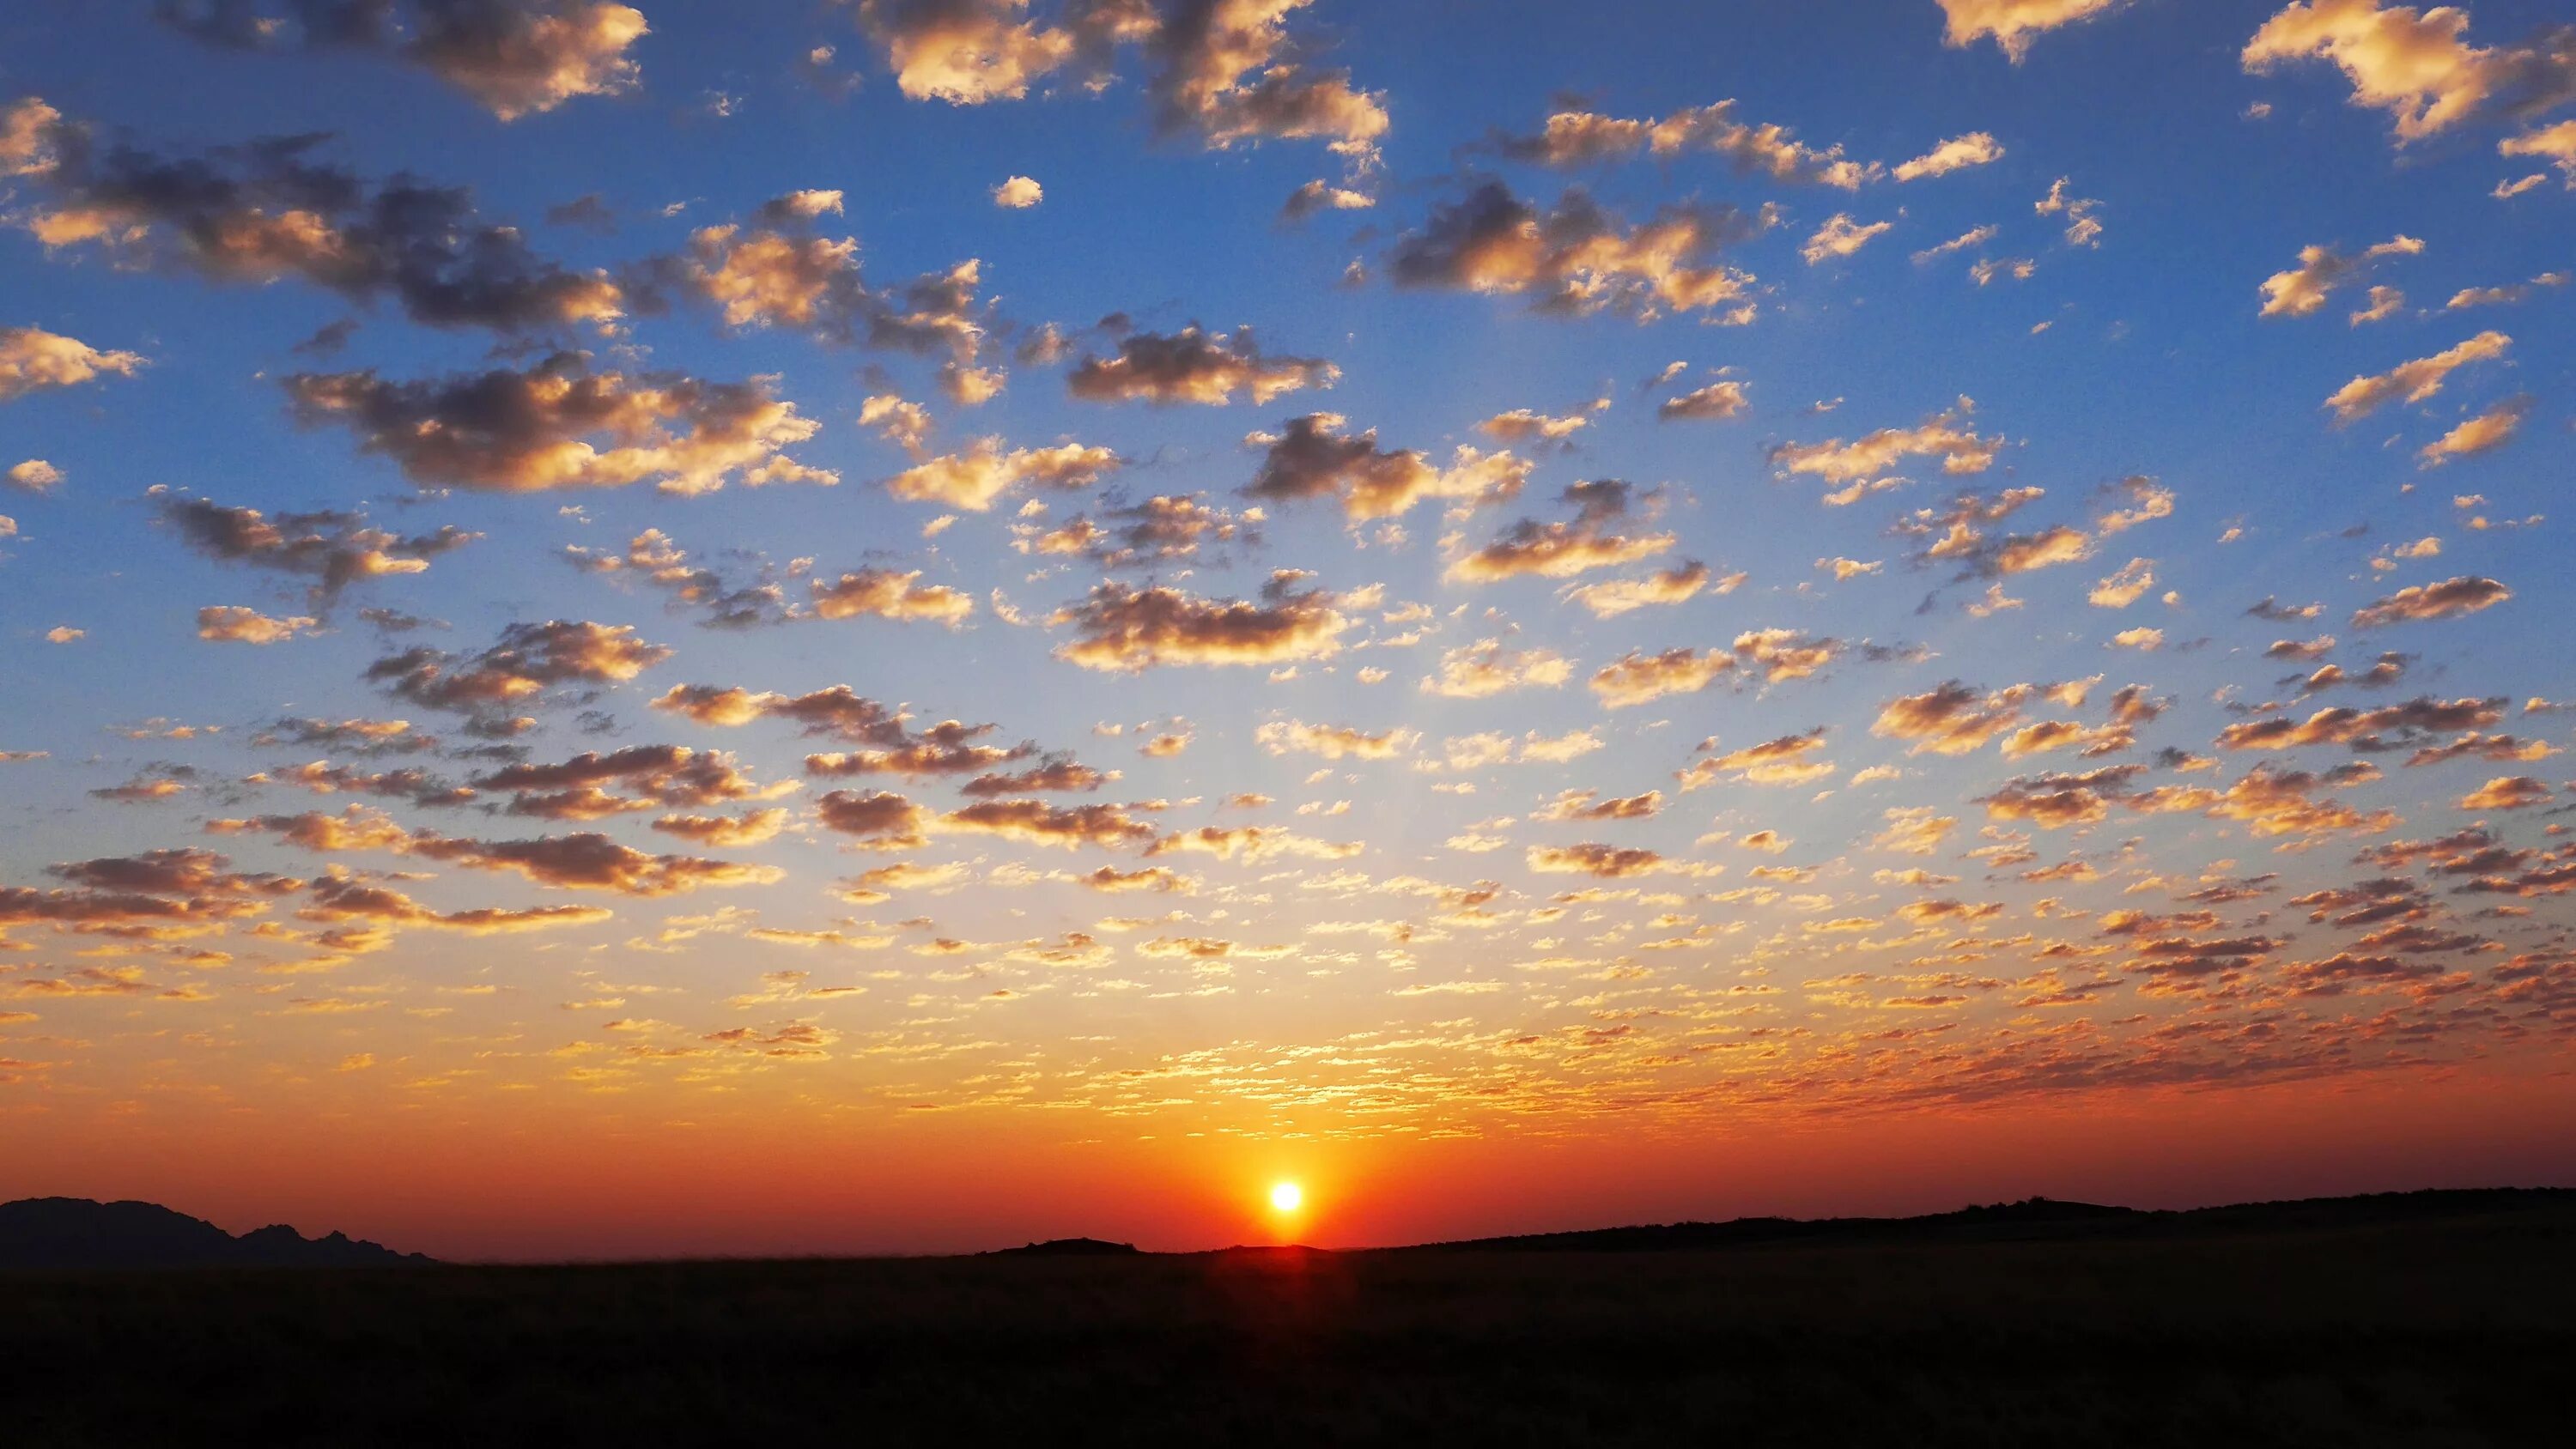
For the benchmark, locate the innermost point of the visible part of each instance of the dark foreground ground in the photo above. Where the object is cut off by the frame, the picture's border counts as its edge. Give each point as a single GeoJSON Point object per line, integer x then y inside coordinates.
{"type": "Point", "coordinates": [2451, 1327]}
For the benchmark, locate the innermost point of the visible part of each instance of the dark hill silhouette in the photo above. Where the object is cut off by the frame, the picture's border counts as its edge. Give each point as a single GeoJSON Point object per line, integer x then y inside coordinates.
{"type": "Point", "coordinates": [2029, 1219]}
{"type": "Point", "coordinates": [76, 1233]}
{"type": "Point", "coordinates": [1069, 1248]}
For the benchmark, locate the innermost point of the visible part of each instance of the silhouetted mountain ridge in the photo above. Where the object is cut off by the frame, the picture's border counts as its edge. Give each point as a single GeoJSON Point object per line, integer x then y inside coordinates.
{"type": "Point", "coordinates": [2035, 1217]}
{"type": "Point", "coordinates": [77, 1233]}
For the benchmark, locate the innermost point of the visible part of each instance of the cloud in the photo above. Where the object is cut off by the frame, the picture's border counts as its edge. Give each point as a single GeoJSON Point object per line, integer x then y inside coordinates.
{"type": "Point", "coordinates": [514, 57]}
{"type": "Point", "coordinates": [1607, 862]}
{"type": "Point", "coordinates": [1311, 457]}
{"type": "Point", "coordinates": [1122, 629]}
{"type": "Point", "coordinates": [333, 548]}
{"type": "Point", "coordinates": [1583, 138]}
{"type": "Point", "coordinates": [1953, 719]}
{"type": "Point", "coordinates": [2507, 792]}
{"type": "Point", "coordinates": [974, 479]}
{"type": "Point", "coordinates": [888, 594]}
{"type": "Point", "coordinates": [1522, 425]}
{"type": "Point", "coordinates": [1334, 742]}
{"type": "Point", "coordinates": [1914, 830]}
{"type": "Point", "coordinates": [1636, 679]}
{"type": "Point", "coordinates": [1578, 259]}
{"type": "Point", "coordinates": [965, 52]}
{"type": "Point", "coordinates": [1192, 366]}
{"type": "Point", "coordinates": [1782, 761]}
{"type": "Point", "coordinates": [583, 861]}
{"type": "Point", "coordinates": [1315, 196]}
{"type": "Point", "coordinates": [1841, 236]}
{"type": "Point", "coordinates": [2417, 66]}
{"type": "Point", "coordinates": [1486, 668]}
{"type": "Point", "coordinates": [2302, 290]}
{"type": "Point", "coordinates": [653, 777]}
{"type": "Point", "coordinates": [339, 898]}
{"type": "Point", "coordinates": [32, 358]}
{"type": "Point", "coordinates": [881, 820]}
{"type": "Point", "coordinates": [1221, 74]}
{"type": "Point", "coordinates": [2011, 23]}
{"type": "Point", "coordinates": [2412, 381]}
{"type": "Point", "coordinates": [2484, 433]}
{"type": "Point", "coordinates": [2448, 599]}
{"type": "Point", "coordinates": [527, 661]}
{"type": "Point", "coordinates": [1035, 822]}
{"type": "Point", "coordinates": [266, 211]}
{"type": "Point", "coordinates": [1560, 550]}
{"type": "Point", "coordinates": [1018, 193]}
{"type": "Point", "coordinates": [1976, 148]}
{"type": "Point", "coordinates": [1681, 582]}
{"type": "Point", "coordinates": [2083, 228]}
{"type": "Point", "coordinates": [1942, 436]}
{"type": "Point", "coordinates": [515, 432]}
{"type": "Point", "coordinates": [2555, 143]}
{"type": "Point", "coordinates": [234, 624]}
{"type": "Point", "coordinates": [1717, 402]}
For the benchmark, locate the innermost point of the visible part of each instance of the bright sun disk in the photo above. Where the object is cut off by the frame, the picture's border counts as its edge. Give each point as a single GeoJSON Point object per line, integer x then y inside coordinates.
{"type": "Point", "coordinates": [1286, 1197]}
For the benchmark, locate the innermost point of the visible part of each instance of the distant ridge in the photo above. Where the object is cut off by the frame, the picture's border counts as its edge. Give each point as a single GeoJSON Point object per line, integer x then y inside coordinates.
{"type": "Point", "coordinates": [76, 1233]}
{"type": "Point", "coordinates": [2031, 1218]}
{"type": "Point", "coordinates": [1069, 1248]}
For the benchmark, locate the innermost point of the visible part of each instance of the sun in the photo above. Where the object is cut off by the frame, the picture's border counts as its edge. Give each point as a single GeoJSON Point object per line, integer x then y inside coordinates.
{"type": "Point", "coordinates": [1286, 1197]}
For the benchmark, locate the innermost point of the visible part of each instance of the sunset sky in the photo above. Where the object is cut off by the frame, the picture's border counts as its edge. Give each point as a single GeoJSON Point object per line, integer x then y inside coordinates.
{"type": "Point", "coordinates": [804, 625]}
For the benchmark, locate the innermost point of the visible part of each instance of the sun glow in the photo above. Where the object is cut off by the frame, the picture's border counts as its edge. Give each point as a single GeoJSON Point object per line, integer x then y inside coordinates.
{"type": "Point", "coordinates": [1286, 1197]}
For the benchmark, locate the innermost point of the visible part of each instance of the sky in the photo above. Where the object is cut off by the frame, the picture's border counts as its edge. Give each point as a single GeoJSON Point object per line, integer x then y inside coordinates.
{"type": "Point", "coordinates": [904, 625]}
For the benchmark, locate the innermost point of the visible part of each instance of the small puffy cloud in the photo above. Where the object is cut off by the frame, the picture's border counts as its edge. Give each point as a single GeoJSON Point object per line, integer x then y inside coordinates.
{"type": "Point", "coordinates": [1636, 678]}
{"type": "Point", "coordinates": [1614, 597]}
{"type": "Point", "coordinates": [1333, 742]}
{"type": "Point", "coordinates": [333, 548]}
{"type": "Point", "coordinates": [234, 624]}
{"type": "Point", "coordinates": [889, 594]}
{"type": "Point", "coordinates": [34, 476]}
{"type": "Point", "coordinates": [1019, 193]}
{"type": "Point", "coordinates": [1841, 236]}
{"type": "Point", "coordinates": [2448, 599]}
{"type": "Point", "coordinates": [2083, 228]}
{"type": "Point", "coordinates": [515, 57]}
{"type": "Point", "coordinates": [1944, 436]}
{"type": "Point", "coordinates": [2484, 433]}
{"type": "Point", "coordinates": [2507, 792]}
{"type": "Point", "coordinates": [2556, 144]}
{"type": "Point", "coordinates": [2418, 66]}
{"type": "Point", "coordinates": [1484, 668]}
{"type": "Point", "coordinates": [1607, 862]}
{"type": "Point", "coordinates": [1581, 138]}
{"type": "Point", "coordinates": [1914, 830]}
{"type": "Point", "coordinates": [1977, 148]}
{"type": "Point", "coordinates": [974, 479]}
{"type": "Point", "coordinates": [1194, 366]}
{"type": "Point", "coordinates": [1782, 761]}
{"type": "Point", "coordinates": [560, 425]}
{"type": "Point", "coordinates": [1312, 457]}
{"type": "Point", "coordinates": [32, 358]}
{"type": "Point", "coordinates": [1121, 629]}
{"type": "Point", "coordinates": [1577, 258]}
{"type": "Point", "coordinates": [1717, 402]}
{"type": "Point", "coordinates": [2302, 290]}
{"type": "Point", "coordinates": [2011, 23]}
{"type": "Point", "coordinates": [1562, 550]}
{"type": "Point", "coordinates": [2126, 587]}
{"type": "Point", "coordinates": [2412, 381]}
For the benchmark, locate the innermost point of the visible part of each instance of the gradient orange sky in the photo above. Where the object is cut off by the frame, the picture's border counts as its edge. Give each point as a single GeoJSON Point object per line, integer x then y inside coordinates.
{"type": "Point", "coordinates": [903, 626]}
